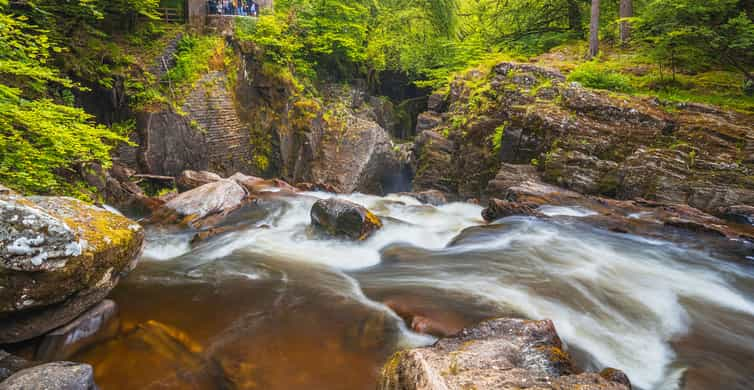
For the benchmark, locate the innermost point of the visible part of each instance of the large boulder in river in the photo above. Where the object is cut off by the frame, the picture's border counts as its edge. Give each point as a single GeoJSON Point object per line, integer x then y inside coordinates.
{"type": "Point", "coordinates": [191, 206]}
{"type": "Point", "coordinates": [58, 257]}
{"type": "Point", "coordinates": [345, 219]}
{"type": "Point", "coordinates": [57, 375]}
{"type": "Point", "coordinates": [497, 354]}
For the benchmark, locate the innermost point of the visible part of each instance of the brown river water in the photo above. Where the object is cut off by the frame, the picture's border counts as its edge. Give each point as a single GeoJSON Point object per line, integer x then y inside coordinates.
{"type": "Point", "coordinates": [279, 308]}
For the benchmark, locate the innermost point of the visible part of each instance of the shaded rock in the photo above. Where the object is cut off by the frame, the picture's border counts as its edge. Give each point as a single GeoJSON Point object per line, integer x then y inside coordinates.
{"type": "Point", "coordinates": [94, 325]}
{"type": "Point", "coordinates": [496, 354]}
{"type": "Point", "coordinates": [117, 188]}
{"type": "Point", "coordinates": [499, 209]}
{"type": "Point", "coordinates": [57, 375]}
{"type": "Point", "coordinates": [436, 102]}
{"type": "Point", "coordinates": [435, 165]}
{"type": "Point", "coordinates": [210, 199]}
{"type": "Point", "coordinates": [169, 144]}
{"type": "Point", "coordinates": [739, 214]}
{"type": "Point", "coordinates": [59, 257]}
{"type": "Point", "coordinates": [10, 364]}
{"type": "Point", "coordinates": [433, 197]}
{"type": "Point", "coordinates": [343, 218]}
{"type": "Point", "coordinates": [188, 180]}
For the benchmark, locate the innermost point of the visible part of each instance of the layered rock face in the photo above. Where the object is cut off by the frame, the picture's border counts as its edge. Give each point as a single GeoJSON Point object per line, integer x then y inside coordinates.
{"type": "Point", "coordinates": [334, 141]}
{"type": "Point", "coordinates": [591, 142]}
{"type": "Point", "coordinates": [496, 354]}
{"type": "Point", "coordinates": [207, 135]}
{"type": "Point", "coordinates": [58, 257]}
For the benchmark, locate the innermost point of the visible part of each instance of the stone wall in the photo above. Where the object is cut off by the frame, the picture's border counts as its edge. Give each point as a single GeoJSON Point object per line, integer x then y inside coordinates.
{"type": "Point", "coordinates": [207, 135]}
{"type": "Point", "coordinates": [212, 110]}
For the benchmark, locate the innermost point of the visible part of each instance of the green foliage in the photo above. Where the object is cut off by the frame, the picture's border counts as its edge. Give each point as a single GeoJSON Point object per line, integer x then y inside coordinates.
{"type": "Point", "coordinates": [194, 57]}
{"type": "Point", "coordinates": [695, 35]}
{"type": "Point", "coordinates": [41, 139]}
{"type": "Point", "coordinates": [594, 75]}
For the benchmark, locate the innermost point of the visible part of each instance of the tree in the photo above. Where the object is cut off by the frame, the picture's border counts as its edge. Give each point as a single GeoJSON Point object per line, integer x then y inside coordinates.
{"type": "Point", "coordinates": [594, 30]}
{"type": "Point", "coordinates": [696, 35]}
{"type": "Point", "coordinates": [626, 11]}
{"type": "Point", "coordinates": [41, 135]}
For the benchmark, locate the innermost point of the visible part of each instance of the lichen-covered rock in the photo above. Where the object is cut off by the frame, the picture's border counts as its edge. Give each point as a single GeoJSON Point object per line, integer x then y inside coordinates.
{"type": "Point", "coordinates": [345, 219]}
{"type": "Point", "coordinates": [188, 180]}
{"type": "Point", "coordinates": [496, 354]}
{"type": "Point", "coordinates": [57, 375]}
{"type": "Point", "coordinates": [58, 257]}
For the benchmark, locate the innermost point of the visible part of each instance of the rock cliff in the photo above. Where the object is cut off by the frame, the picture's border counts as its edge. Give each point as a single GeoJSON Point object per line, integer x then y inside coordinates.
{"type": "Point", "coordinates": [596, 143]}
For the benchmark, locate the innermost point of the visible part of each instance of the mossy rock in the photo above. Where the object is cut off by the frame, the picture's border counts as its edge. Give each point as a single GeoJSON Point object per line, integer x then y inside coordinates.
{"type": "Point", "coordinates": [60, 256]}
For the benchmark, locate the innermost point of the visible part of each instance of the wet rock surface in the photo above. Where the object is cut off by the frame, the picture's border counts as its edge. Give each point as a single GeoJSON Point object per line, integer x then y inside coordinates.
{"type": "Point", "coordinates": [60, 256]}
{"type": "Point", "coordinates": [496, 354]}
{"type": "Point", "coordinates": [523, 193]}
{"type": "Point", "coordinates": [92, 326]}
{"type": "Point", "coordinates": [342, 218]}
{"type": "Point", "coordinates": [194, 205]}
{"type": "Point", "coordinates": [58, 375]}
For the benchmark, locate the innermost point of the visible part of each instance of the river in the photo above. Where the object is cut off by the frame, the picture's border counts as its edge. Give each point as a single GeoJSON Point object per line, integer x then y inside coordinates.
{"type": "Point", "coordinates": [276, 306]}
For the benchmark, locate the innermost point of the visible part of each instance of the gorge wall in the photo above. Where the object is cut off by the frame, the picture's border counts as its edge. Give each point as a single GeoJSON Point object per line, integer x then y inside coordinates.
{"type": "Point", "coordinates": [595, 143]}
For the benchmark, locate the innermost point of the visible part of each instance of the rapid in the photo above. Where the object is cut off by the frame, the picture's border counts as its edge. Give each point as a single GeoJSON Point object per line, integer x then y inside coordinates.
{"type": "Point", "coordinates": [276, 306]}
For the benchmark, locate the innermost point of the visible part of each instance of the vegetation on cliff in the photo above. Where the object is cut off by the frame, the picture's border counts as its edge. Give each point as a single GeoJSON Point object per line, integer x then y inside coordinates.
{"type": "Point", "coordinates": [52, 54]}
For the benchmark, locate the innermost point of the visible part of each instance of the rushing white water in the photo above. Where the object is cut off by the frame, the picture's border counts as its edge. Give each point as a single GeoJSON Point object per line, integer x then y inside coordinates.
{"type": "Point", "coordinates": [622, 300]}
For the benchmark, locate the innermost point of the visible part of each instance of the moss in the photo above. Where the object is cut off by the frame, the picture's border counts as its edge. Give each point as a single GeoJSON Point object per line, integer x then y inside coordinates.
{"type": "Point", "coordinates": [391, 375]}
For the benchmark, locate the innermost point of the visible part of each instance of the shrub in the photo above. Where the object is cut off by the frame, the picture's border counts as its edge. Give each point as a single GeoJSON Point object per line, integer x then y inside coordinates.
{"type": "Point", "coordinates": [593, 75]}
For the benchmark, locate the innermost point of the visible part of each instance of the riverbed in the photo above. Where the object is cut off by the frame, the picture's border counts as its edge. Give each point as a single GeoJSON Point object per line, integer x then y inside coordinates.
{"type": "Point", "coordinates": [278, 306]}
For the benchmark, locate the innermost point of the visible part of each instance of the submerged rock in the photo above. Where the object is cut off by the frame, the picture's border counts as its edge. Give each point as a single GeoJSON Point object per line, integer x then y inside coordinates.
{"type": "Point", "coordinates": [496, 354]}
{"type": "Point", "coordinates": [58, 257]}
{"type": "Point", "coordinates": [188, 180]}
{"type": "Point", "coordinates": [160, 356]}
{"type": "Point", "coordinates": [57, 375]}
{"type": "Point", "coordinates": [96, 324]}
{"type": "Point", "coordinates": [343, 218]}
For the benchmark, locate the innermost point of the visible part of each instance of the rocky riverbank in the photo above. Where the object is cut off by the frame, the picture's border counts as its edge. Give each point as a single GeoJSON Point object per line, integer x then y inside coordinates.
{"type": "Point", "coordinates": [59, 258]}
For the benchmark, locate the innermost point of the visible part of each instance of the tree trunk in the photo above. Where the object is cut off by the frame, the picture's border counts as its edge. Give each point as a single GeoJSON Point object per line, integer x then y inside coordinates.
{"type": "Point", "coordinates": [626, 11]}
{"type": "Point", "coordinates": [574, 16]}
{"type": "Point", "coordinates": [594, 30]}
